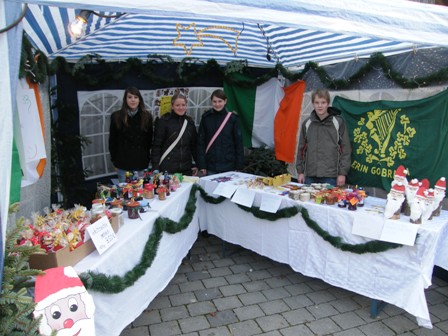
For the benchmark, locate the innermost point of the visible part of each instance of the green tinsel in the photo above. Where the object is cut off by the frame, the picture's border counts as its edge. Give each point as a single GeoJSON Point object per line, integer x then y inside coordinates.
{"type": "Point", "coordinates": [373, 246]}
{"type": "Point", "coordinates": [36, 66]}
{"type": "Point", "coordinates": [115, 284]}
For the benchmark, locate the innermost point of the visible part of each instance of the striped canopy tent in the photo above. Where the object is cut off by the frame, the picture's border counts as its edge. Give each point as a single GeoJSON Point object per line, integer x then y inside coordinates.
{"type": "Point", "coordinates": [262, 33]}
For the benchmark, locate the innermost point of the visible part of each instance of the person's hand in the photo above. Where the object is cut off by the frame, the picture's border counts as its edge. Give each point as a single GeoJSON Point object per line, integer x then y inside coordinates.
{"type": "Point", "coordinates": [340, 181]}
{"type": "Point", "coordinates": [301, 178]}
{"type": "Point", "coordinates": [204, 172]}
{"type": "Point", "coordinates": [194, 171]}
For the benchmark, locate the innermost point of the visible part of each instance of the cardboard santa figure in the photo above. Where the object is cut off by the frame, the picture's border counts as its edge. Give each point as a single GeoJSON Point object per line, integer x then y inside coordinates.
{"type": "Point", "coordinates": [410, 191]}
{"type": "Point", "coordinates": [64, 304]}
{"type": "Point", "coordinates": [400, 176]}
{"type": "Point", "coordinates": [429, 201]}
{"type": "Point", "coordinates": [439, 196]}
{"type": "Point", "coordinates": [418, 206]}
{"type": "Point", "coordinates": [395, 199]}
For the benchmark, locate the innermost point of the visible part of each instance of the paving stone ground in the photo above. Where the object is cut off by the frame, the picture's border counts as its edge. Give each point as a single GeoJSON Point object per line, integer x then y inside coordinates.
{"type": "Point", "coordinates": [241, 293]}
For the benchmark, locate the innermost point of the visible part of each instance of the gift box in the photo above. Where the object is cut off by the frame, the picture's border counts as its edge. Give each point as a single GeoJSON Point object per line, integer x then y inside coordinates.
{"type": "Point", "coordinates": [65, 257]}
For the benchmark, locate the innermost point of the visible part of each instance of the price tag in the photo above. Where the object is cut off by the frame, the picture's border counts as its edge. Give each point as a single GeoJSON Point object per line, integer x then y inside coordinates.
{"type": "Point", "coordinates": [102, 234]}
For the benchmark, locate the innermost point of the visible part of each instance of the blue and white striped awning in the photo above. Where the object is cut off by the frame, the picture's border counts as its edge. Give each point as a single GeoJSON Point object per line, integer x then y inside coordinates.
{"type": "Point", "coordinates": [144, 30]}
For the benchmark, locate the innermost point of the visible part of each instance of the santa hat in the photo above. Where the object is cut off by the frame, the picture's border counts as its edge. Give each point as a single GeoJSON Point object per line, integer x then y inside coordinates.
{"type": "Point", "coordinates": [441, 183]}
{"type": "Point", "coordinates": [430, 192]}
{"type": "Point", "coordinates": [414, 183]}
{"type": "Point", "coordinates": [400, 171]}
{"type": "Point", "coordinates": [421, 192]}
{"type": "Point", "coordinates": [398, 187]}
{"type": "Point", "coordinates": [425, 183]}
{"type": "Point", "coordinates": [58, 283]}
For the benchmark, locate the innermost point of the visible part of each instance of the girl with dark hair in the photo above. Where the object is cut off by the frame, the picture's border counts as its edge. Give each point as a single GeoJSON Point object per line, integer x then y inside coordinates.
{"type": "Point", "coordinates": [130, 135]}
{"type": "Point", "coordinates": [220, 143]}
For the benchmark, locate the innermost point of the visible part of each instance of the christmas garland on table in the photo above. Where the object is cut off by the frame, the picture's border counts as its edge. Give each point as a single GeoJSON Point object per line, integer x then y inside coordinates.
{"type": "Point", "coordinates": [114, 284]}
{"type": "Point", "coordinates": [373, 246]}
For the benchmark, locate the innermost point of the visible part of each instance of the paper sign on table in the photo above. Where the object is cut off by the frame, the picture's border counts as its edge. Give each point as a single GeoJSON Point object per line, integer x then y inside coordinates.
{"type": "Point", "coordinates": [244, 197]}
{"type": "Point", "coordinates": [371, 228]}
{"type": "Point", "coordinates": [102, 234]}
{"type": "Point", "coordinates": [399, 232]}
{"type": "Point", "coordinates": [270, 203]}
{"type": "Point", "coordinates": [224, 189]}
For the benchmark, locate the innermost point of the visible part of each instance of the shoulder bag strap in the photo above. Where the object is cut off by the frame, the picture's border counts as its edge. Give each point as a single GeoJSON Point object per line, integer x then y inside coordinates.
{"type": "Point", "coordinates": [170, 148]}
{"type": "Point", "coordinates": [212, 140]}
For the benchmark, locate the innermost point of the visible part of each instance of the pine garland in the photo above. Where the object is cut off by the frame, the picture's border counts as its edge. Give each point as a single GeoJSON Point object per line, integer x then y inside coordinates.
{"type": "Point", "coordinates": [35, 65]}
{"type": "Point", "coordinates": [373, 246]}
{"type": "Point", "coordinates": [115, 284]}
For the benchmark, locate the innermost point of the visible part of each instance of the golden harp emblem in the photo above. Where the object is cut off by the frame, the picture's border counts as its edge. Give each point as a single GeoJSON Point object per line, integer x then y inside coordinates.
{"type": "Point", "coordinates": [382, 137]}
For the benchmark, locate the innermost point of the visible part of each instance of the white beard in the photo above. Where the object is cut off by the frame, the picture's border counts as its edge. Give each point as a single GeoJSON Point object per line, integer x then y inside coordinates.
{"type": "Point", "coordinates": [427, 212]}
{"type": "Point", "coordinates": [410, 194]}
{"type": "Point", "coordinates": [439, 195]}
{"type": "Point", "coordinates": [417, 208]}
{"type": "Point", "coordinates": [86, 326]}
{"type": "Point", "coordinates": [393, 205]}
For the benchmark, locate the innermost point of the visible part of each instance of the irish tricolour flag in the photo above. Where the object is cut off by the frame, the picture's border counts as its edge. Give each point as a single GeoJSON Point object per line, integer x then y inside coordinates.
{"type": "Point", "coordinates": [262, 107]}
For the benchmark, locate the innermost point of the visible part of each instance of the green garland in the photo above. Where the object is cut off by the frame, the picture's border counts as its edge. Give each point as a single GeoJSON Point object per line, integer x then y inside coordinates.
{"type": "Point", "coordinates": [373, 246]}
{"type": "Point", "coordinates": [115, 284]}
{"type": "Point", "coordinates": [35, 66]}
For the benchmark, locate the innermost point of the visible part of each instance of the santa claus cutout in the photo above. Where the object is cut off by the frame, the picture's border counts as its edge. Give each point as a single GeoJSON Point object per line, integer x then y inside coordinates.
{"type": "Point", "coordinates": [395, 199]}
{"type": "Point", "coordinates": [63, 303]}
{"type": "Point", "coordinates": [439, 195]}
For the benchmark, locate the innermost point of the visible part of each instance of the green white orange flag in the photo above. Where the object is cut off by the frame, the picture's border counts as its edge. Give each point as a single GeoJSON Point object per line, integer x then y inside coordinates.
{"type": "Point", "coordinates": [287, 122]}
{"type": "Point", "coordinates": [256, 108]}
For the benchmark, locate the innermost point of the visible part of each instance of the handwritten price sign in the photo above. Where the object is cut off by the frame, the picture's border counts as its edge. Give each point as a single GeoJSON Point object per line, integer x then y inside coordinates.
{"type": "Point", "coordinates": [102, 234]}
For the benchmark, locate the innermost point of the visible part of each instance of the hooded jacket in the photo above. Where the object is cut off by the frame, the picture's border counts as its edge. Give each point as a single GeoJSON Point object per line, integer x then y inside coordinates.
{"type": "Point", "coordinates": [323, 150]}
{"type": "Point", "coordinates": [166, 131]}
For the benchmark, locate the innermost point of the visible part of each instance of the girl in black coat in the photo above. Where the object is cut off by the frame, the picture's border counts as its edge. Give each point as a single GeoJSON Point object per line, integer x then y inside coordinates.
{"type": "Point", "coordinates": [226, 152]}
{"type": "Point", "coordinates": [180, 150]}
{"type": "Point", "coordinates": [130, 135]}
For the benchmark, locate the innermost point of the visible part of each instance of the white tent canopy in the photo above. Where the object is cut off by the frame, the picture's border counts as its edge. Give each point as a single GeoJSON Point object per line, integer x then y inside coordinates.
{"type": "Point", "coordinates": [292, 32]}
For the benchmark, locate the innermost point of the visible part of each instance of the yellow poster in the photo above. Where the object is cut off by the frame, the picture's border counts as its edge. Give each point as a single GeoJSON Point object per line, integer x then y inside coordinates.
{"type": "Point", "coordinates": [165, 105]}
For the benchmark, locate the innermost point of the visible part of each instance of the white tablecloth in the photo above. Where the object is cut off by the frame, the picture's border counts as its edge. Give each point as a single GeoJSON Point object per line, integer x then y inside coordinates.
{"type": "Point", "coordinates": [398, 276]}
{"type": "Point", "coordinates": [115, 311]}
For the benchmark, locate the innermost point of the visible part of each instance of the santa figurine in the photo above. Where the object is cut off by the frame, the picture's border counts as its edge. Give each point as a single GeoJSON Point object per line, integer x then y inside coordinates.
{"type": "Point", "coordinates": [395, 199]}
{"type": "Point", "coordinates": [400, 176]}
{"type": "Point", "coordinates": [439, 195]}
{"type": "Point", "coordinates": [429, 201]}
{"type": "Point", "coordinates": [418, 206]}
{"type": "Point", "coordinates": [410, 192]}
{"type": "Point", "coordinates": [64, 304]}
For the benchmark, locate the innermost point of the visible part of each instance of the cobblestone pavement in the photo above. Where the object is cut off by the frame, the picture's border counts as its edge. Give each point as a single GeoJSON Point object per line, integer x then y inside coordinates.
{"type": "Point", "coordinates": [242, 293]}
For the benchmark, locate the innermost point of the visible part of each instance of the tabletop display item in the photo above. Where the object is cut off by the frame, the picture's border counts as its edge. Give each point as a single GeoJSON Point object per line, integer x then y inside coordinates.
{"type": "Point", "coordinates": [133, 209]}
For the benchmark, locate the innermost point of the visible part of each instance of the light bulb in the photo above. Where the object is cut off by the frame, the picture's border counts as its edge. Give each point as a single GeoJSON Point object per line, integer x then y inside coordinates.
{"type": "Point", "coordinates": [77, 27]}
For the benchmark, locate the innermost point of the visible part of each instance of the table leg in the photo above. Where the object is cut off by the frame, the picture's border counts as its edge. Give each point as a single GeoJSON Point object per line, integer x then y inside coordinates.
{"type": "Point", "coordinates": [376, 307]}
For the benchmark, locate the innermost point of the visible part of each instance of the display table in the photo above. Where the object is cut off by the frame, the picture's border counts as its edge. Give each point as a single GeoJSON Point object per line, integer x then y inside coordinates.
{"type": "Point", "coordinates": [398, 276]}
{"type": "Point", "coordinates": [115, 311]}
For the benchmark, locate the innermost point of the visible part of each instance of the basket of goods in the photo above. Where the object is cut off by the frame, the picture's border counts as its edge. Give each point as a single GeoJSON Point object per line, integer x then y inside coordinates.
{"type": "Point", "coordinates": [60, 233]}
